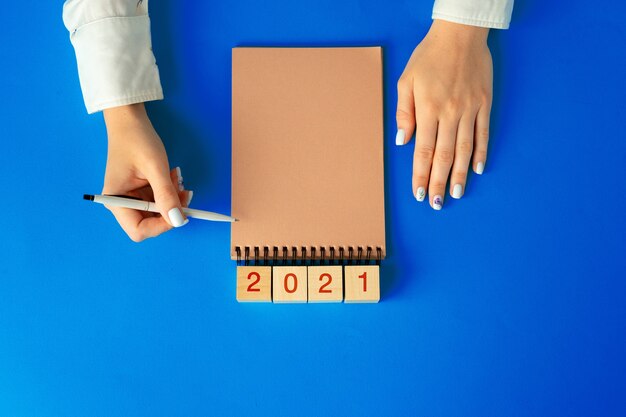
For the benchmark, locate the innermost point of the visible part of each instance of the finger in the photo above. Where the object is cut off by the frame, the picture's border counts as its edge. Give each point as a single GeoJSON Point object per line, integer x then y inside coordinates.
{"type": "Point", "coordinates": [177, 179]}
{"type": "Point", "coordinates": [425, 139]}
{"type": "Point", "coordinates": [481, 138]}
{"type": "Point", "coordinates": [138, 227]}
{"type": "Point", "coordinates": [405, 113]}
{"type": "Point", "coordinates": [165, 195]}
{"type": "Point", "coordinates": [185, 197]}
{"type": "Point", "coordinates": [442, 161]}
{"type": "Point", "coordinates": [462, 155]}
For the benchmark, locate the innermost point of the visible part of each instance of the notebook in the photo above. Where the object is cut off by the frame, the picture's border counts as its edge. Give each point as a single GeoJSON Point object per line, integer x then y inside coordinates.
{"type": "Point", "coordinates": [307, 153]}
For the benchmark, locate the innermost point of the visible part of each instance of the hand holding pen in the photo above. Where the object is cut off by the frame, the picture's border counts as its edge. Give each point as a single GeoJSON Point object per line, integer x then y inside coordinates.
{"type": "Point", "coordinates": [137, 167]}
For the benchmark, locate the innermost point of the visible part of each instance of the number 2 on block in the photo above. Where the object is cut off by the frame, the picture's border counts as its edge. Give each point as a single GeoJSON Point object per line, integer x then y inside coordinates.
{"type": "Point", "coordinates": [329, 280]}
{"type": "Point", "coordinates": [253, 283]}
{"type": "Point", "coordinates": [325, 284]}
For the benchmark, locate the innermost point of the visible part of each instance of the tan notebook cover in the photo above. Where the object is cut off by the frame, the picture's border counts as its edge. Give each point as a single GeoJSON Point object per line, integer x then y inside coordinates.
{"type": "Point", "coordinates": [307, 167]}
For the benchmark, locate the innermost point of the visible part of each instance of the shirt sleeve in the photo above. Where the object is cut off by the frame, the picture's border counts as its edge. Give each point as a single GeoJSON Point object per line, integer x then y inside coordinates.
{"type": "Point", "coordinates": [113, 48]}
{"type": "Point", "coordinates": [485, 13]}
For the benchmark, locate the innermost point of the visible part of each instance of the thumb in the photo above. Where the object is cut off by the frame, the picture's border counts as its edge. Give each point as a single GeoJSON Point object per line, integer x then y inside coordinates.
{"type": "Point", "coordinates": [166, 196]}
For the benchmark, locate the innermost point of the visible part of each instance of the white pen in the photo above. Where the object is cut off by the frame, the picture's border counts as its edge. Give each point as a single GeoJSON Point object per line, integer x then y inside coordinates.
{"type": "Point", "coordinates": [137, 204]}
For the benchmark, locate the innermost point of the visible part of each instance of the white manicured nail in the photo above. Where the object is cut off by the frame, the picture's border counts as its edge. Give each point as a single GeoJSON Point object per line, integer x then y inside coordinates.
{"type": "Point", "coordinates": [457, 191]}
{"type": "Point", "coordinates": [480, 167]}
{"type": "Point", "coordinates": [189, 197]}
{"type": "Point", "coordinates": [176, 217]}
{"type": "Point", "coordinates": [420, 194]}
{"type": "Point", "coordinates": [400, 136]}
{"type": "Point", "coordinates": [437, 202]}
{"type": "Point", "coordinates": [181, 185]}
{"type": "Point", "coordinates": [185, 222]}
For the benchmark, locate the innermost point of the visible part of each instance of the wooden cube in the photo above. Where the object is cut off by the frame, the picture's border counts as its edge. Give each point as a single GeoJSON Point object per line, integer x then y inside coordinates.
{"type": "Point", "coordinates": [362, 284]}
{"type": "Point", "coordinates": [254, 284]}
{"type": "Point", "coordinates": [290, 284]}
{"type": "Point", "coordinates": [325, 284]}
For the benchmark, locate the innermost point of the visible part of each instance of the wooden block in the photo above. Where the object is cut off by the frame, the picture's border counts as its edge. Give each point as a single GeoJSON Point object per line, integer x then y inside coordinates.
{"type": "Point", "coordinates": [290, 284]}
{"type": "Point", "coordinates": [325, 284]}
{"type": "Point", "coordinates": [254, 284]}
{"type": "Point", "coordinates": [362, 283]}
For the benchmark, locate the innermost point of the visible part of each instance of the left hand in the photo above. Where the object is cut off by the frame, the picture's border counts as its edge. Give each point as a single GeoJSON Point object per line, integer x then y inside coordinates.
{"type": "Point", "coordinates": [444, 95]}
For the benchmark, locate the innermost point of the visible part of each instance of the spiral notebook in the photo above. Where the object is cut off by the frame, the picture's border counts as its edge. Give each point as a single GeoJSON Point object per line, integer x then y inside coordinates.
{"type": "Point", "coordinates": [307, 153]}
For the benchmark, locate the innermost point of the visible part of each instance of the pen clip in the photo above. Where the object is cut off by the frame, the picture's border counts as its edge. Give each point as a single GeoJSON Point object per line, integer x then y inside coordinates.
{"type": "Point", "coordinates": [126, 196]}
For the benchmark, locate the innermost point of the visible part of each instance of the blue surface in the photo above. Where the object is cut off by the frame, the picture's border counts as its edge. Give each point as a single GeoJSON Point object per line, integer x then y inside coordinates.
{"type": "Point", "coordinates": [510, 302]}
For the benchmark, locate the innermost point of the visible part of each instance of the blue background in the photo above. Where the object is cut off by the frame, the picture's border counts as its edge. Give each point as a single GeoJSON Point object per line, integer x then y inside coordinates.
{"type": "Point", "coordinates": [509, 302]}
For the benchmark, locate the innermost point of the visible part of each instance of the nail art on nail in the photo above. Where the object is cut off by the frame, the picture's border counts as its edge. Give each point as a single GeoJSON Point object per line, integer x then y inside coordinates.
{"type": "Point", "coordinates": [176, 217]}
{"type": "Point", "coordinates": [457, 191]}
{"type": "Point", "coordinates": [420, 194]}
{"type": "Point", "coordinates": [400, 136]}
{"type": "Point", "coordinates": [189, 197]}
{"type": "Point", "coordinates": [437, 202]}
{"type": "Point", "coordinates": [480, 167]}
{"type": "Point", "coordinates": [181, 185]}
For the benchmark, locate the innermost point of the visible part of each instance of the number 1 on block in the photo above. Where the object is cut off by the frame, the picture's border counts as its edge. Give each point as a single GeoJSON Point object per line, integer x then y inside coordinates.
{"type": "Point", "coordinates": [362, 284]}
{"type": "Point", "coordinates": [254, 284]}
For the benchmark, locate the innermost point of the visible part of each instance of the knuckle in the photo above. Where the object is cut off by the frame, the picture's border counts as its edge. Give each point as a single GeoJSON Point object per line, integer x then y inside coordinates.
{"type": "Point", "coordinates": [165, 193]}
{"type": "Point", "coordinates": [465, 148]}
{"type": "Point", "coordinates": [136, 236]}
{"type": "Point", "coordinates": [485, 97]}
{"type": "Point", "coordinates": [429, 108]}
{"type": "Point", "coordinates": [460, 175]}
{"type": "Point", "coordinates": [420, 179]}
{"type": "Point", "coordinates": [445, 156]}
{"type": "Point", "coordinates": [480, 155]}
{"type": "Point", "coordinates": [403, 115]}
{"type": "Point", "coordinates": [425, 152]}
{"type": "Point", "coordinates": [482, 134]}
{"type": "Point", "coordinates": [453, 106]}
{"type": "Point", "coordinates": [436, 187]}
{"type": "Point", "coordinates": [403, 84]}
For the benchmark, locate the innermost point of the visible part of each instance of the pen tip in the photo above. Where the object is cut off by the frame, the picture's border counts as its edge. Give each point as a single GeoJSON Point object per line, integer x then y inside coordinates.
{"type": "Point", "coordinates": [87, 197]}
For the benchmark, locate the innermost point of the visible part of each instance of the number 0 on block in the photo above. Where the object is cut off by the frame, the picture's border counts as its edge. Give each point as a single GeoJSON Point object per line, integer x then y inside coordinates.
{"type": "Point", "coordinates": [254, 284]}
{"type": "Point", "coordinates": [289, 284]}
{"type": "Point", "coordinates": [362, 284]}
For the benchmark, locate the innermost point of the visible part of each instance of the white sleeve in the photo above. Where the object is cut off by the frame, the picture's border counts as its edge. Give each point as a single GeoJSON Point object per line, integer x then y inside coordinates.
{"type": "Point", "coordinates": [486, 13]}
{"type": "Point", "coordinates": [113, 48]}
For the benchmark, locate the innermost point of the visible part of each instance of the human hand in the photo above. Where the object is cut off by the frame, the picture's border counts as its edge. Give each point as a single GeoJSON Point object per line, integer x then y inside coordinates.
{"type": "Point", "coordinates": [137, 166]}
{"type": "Point", "coordinates": [444, 95]}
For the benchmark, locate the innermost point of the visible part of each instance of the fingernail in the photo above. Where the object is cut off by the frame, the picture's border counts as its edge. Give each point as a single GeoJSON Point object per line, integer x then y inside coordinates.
{"type": "Point", "coordinates": [400, 136]}
{"type": "Point", "coordinates": [181, 185]}
{"type": "Point", "coordinates": [189, 197]}
{"type": "Point", "coordinates": [480, 167]}
{"type": "Point", "coordinates": [176, 217]}
{"type": "Point", "coordinates": [457, 191]}
{"type": "Point", "coordinates": [437, 202]}
{"type": "Point", "coordinates": [185, 222]}
{"type": "Point", "coordinates": [420, 194]}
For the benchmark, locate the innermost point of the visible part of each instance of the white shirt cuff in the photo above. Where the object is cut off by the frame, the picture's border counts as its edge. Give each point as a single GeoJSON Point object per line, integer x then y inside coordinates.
{"type": "Point", "coordinates": [116, 65]}
{"type": "Point", "coordinates": [484, 13]}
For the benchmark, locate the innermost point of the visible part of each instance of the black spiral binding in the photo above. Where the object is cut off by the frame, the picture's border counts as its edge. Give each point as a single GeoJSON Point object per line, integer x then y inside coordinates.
{"type": "Point", "coordinates": [269, 256]}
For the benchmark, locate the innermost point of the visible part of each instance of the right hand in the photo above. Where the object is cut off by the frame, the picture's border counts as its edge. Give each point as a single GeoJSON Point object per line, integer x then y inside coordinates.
{"type": "Point", "coordinates": [137, 166]}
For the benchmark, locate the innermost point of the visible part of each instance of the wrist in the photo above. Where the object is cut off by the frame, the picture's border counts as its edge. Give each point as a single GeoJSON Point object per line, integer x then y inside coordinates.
{"type": "Point", "coordinates": [125, 117]}
{"type": "Point", "coordinates": [459, 34]}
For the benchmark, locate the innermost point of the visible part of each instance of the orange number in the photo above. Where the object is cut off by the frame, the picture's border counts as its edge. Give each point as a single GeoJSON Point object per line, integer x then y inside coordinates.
{"type": "Point", "coordinates": [364, 276]}
{"type": "Point", "coordinates": [295, 283]}
{"type": "Point", "coordinates": [323, 287]}
{"type": "Point", "coordinates": [258, 278]}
